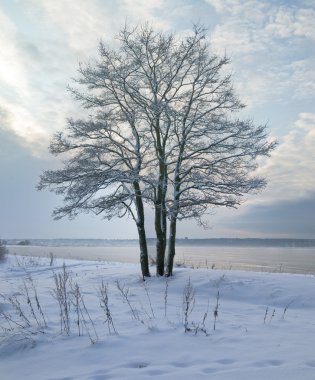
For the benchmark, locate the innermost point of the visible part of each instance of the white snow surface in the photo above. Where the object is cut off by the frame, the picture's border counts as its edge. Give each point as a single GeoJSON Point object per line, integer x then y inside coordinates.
{"type": "Point", "coordinates": [265, 327]}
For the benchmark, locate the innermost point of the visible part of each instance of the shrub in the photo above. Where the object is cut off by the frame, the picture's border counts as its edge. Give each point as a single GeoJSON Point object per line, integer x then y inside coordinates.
{"type": "Point", "coordinates": [24, 242]}
{"type": "Point", "coordinates": [3, 250]}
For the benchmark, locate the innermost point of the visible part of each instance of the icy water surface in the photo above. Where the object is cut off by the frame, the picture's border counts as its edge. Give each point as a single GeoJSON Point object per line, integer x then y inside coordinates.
{"type": "Point", "coordinates": [271, 259]}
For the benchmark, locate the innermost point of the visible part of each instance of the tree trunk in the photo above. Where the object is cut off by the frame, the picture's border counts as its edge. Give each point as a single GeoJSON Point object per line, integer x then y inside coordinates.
{"type": "Point", "coordinates": [173, 222]}
{"type": "Point", "coordinates": [144, 258]}
{"type": "Point", "coordinates": [160, 221]}
{"type": "Point", "coordinates": [164, 219]}
{"type": "Point", "coordinates": [171, 247]}
{"type": "Point", "coordinates": [160, 208]}
{"type": "Point", "coordinates": [160, 241]}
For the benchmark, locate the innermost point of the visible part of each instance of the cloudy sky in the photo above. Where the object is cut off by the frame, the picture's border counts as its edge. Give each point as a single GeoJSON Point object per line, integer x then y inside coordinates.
{"type": "Point", "coordinates": [272, 49]}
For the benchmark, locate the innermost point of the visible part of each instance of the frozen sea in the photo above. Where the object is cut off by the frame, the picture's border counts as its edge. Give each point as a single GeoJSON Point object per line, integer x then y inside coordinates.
{"type": "Point", "coordinates": [270, 257]}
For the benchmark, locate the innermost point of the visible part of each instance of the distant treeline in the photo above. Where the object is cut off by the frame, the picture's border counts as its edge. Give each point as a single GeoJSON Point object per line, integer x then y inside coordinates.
{"type": "Point", "coordinates": [247, 242]}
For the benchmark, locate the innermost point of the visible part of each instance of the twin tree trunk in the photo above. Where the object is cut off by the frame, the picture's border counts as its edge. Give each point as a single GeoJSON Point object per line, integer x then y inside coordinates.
{"type": "Point", "coordinates": [160, 224]}
{"type": "Point", "coordinates": [160, 207]}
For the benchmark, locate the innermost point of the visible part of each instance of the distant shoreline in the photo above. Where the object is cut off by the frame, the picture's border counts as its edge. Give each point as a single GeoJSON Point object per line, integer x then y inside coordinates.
{"type": "Point", "coordinates": [227, 242]}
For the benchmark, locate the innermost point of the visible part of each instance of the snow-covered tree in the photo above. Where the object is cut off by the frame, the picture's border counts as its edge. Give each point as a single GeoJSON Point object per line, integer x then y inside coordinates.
{"type": "Point", "coordinates": [161, 131]}
{"type": "Point", "coordinates": [107, 151]}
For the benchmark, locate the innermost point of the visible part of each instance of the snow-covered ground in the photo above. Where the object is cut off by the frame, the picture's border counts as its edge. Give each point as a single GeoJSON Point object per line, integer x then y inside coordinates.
{"type": "Point", "coordinates": [264, 325]}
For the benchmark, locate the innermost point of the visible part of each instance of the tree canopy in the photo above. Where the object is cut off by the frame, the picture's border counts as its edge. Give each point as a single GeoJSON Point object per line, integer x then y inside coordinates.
{"type": "Point", "coordinates": [161, 129]}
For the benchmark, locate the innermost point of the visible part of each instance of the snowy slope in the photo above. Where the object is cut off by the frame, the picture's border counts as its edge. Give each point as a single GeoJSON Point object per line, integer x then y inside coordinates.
{"type": "Point", "coordinates": [265, 324]}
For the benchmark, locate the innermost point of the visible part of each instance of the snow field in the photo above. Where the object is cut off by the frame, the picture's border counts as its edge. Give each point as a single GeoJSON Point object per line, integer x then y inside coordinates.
{"type": "Point", "coordinates": [264, 328]}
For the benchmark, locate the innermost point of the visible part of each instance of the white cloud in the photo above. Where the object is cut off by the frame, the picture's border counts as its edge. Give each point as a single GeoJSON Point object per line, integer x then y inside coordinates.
{"type": "Point", "coordinates": [234, 7]}
{"type": "Point", "coordinates": [276, 82]}
{"type": "Point", "coordinates": [261, 16]}
{"type": "Point", "coordinates": [241, 30]}
{"type": "Point", "coordinates": [79, 24]}
{"type": "Point", "coordinates": [287, 22]}
{"type": "Point", "coordinates": [271, 48]}
{"type": "Point", "coordinates": [82, 23]}
{"type": "Point", "coordinates": [12, 71]}
{"type": "Point", "coordinates": [252, 26]}
{"type": "Point", "coordinates": [19, 121]}
{"type": "Point", "coordinates": [37, 63]}
{"type": "Point", "coordinates": [16, 92]}
{"type": "Point", "coordinates": [35, 71]}
{"type": "Point", "coordinates": [146, 10]}
{"type": "Point", "coordinates": [290, 170]}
